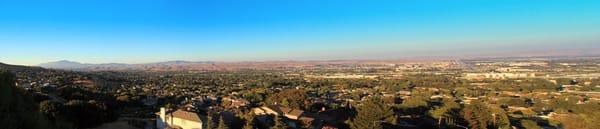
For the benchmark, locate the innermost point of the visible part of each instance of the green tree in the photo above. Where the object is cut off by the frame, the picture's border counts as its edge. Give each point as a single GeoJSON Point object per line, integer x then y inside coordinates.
{"type": "Point", "coordinates": [415, 105]}
{"type": "Point", "coordinates": [55, 111]}
{"type": "Point", "coordinates": [291, 98]}
{"type": "Point", "coordinates": [477, 115]}
{"type": "Point", "coordinates": [446, 111]}
{"type": "Point", "coordinates": [249, 121]}
{"type": "Point", "coordinates": [500, 118]}
{"type": "Point", "coordinates": [529, 124]}
{"type": "Point", "coordinates": [222, 124]}
{"type": "Point", "coordinates": [83, 114]}
{"type": "Point", "coordinates": [51, 109]}
{"type": "Point", "coordinates": [279, 123]}
{"type": "Point", "coordinates": [209, 122]}
{"type": "Point", "coordinates": [371, 114]}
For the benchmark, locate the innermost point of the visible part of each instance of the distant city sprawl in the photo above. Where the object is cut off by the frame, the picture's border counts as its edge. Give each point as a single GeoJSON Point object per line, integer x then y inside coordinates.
{"type": "Point", "coordinates": [467, 93]}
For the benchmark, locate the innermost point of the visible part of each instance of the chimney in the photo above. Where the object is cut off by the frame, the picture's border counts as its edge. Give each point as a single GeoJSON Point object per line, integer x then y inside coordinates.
{"type": "Point", "coordinates": [163, 112]}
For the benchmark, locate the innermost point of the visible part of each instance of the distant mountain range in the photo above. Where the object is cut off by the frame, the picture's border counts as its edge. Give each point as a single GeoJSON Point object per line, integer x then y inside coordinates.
{"type": "Point", "coordinates": [209, 65]}
{"type": "Point", "coordinates": [196, 66]}
{"type": "Point", "coordinates": [72, 65]}
{"type": "Point", "coordinates": [65, 64]}
{"type": "Point", "coordinates": [180, 65]}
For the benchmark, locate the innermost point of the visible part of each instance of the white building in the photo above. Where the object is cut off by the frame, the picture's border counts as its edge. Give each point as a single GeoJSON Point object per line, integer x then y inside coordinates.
{"type": "Point", "coordinates": [498, 75]}
{"type": "Point", "coordinates": [178, 119]}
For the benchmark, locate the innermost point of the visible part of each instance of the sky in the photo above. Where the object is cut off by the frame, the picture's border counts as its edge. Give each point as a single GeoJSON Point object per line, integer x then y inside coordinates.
{"type": "Point", "coordinates": [144, 31]}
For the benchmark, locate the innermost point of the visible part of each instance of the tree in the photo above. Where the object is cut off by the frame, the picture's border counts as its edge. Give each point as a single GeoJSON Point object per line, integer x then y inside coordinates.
{"type": "Point", "coordinates": [279, 124]}
{"type": "Point", "coordinates": [55, 111]}
{"type": "Point", "coordinates": [291, 98]}
{"type": "Point", "coordinates": [87, 114]}
{"type": "Point", "coordinates": [529, 124]}
{"type": "Point", "coordinates": [253, 97]}
{"type": "Point", "coordinates": [222, 124]}
{"type": "Point", "coordinates": [371, 114]}
{"type": "Point", "coordinates": [209, 122]}
{"type": "Point", "coordinates": [573, 121]}
{"type": "Point", "coordinates": [249, 121]}
{"type": "Point", "coordinates": [446, 111]}
{"type": "Point", "coordinates": [477, 115]}
{"type": "Point", "coordinates": [51, 109]}
{"type": "Point", "coordinates": [415, 105]}
{"type": "Point", "coordinates": [77, 112]}
{"type": "Point", "coordinates": [17, 108]}
{"type": "Point", "coordinates": [98, 109]}
{"type": "Point", "coordinates": [500, 118]}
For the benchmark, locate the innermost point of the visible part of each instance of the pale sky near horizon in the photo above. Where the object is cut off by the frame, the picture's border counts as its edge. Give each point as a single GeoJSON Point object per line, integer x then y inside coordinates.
{"type": "Point", "coordinates": [142, 31]}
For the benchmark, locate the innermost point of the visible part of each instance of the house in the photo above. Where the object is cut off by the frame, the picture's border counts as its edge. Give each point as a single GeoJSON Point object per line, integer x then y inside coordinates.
{"type": "Point", "coordinates": [237, 103]}
{"type": "Point", "coordinates": [292, 114]}
{"type": "Point", "coordinates": [178, 119]}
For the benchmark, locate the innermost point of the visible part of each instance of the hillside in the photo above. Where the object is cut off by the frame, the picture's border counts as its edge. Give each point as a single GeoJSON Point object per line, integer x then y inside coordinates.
{"type": "Point", "coordinates": [18, 111]}
{"type": "Point", "coordinates": [19, 68]}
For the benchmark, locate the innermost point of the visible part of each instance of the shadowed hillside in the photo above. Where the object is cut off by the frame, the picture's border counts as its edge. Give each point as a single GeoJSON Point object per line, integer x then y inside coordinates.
{"type": "Point", "coordinates": [17, 109]}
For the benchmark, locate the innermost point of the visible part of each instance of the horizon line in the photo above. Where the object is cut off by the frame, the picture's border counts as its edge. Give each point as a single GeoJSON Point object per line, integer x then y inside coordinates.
{"type": "Point", "coordinates": [412, 58]}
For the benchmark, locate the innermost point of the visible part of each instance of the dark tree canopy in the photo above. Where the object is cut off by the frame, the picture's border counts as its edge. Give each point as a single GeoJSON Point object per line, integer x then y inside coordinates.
{"type": "Point", "coordinates": [477, 115]}
{"type": "Point", "coordinates": [371, 114]}
{"type": "Point", "coordinates": [279, 123]}
{"type": "Point", "coordinates": [291, 98]}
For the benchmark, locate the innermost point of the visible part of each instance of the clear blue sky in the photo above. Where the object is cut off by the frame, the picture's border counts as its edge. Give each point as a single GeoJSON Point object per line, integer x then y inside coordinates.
{"type": "Point", "coordinates": [141, 31]}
